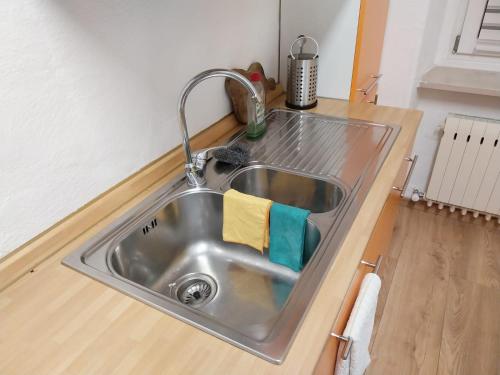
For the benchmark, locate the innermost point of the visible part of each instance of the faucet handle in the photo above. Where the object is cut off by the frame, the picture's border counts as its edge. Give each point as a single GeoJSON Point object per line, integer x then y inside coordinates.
{"type": "Point", "coordinates": [200, 159]}
{"type": "Point", "coordinates": [195, 176]}
{"type": "Point", "coordinates": [195, 172]}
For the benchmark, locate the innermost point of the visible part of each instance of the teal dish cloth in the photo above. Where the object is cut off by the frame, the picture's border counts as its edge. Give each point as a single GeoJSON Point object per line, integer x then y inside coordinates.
{"type": "Point", "coordinates": [287, 235]}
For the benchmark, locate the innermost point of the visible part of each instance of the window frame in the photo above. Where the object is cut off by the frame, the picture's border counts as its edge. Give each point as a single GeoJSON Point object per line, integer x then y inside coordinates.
{"type": "Point", "coordinates": [468, 42]}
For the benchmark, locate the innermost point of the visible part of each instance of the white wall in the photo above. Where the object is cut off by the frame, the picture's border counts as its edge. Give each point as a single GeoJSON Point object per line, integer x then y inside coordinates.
{"type": "Point", "coordinates": [413, 43]}
{"type": "Point", "coordinates": [334, 25]}
{"type": "Point", "coordinates": [89, 92]}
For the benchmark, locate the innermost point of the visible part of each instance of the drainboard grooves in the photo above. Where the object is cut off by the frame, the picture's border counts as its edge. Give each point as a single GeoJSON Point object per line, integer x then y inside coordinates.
{"type": "Point", "coordinates": [322, 156]}
{"type": "Point", "coordinates": [286, 143]}
{"type": "Point", "coordinates": [281, 118]}
{"type": "Point", "coordinates": [311, 136]}
{"type": "Point", "coordinates": [369, 142]}
{"type": "Point", "coordinates": [363, 142]}
{"type": "Point", "coordinates": [281, 142]}
{"type": "Point", "coordinates": [331, 158]}
{"type": "Point", "coordinates": [317, 145]}
{"type": "Point", "coordinates": [278, 140]}
{"type": "Point", "coordinates": [312, 156]}
{"type": "Point", "coordinates": [309, 147]}
{"type": "Point", "coordinates": [331, 165]}
{"type": "Point", "coordinates": [308, 134]}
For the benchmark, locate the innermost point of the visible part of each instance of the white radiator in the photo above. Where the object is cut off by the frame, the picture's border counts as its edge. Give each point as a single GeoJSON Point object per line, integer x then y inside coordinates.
{"type": "Point", "coordinates": [466, 173]}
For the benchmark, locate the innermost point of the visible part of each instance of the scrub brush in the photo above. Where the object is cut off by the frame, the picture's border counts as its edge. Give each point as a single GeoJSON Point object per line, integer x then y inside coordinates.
{"type": "Point", "coordinates": [236, 154]}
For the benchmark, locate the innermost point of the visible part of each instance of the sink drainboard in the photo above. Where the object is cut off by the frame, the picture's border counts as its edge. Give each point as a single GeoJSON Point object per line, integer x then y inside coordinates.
{"type": "Point", "coordinates": [195, 289]}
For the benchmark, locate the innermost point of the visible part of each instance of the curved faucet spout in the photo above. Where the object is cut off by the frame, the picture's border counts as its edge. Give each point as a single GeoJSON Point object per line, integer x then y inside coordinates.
{"type": "Point", "coordinates": [195, 172]}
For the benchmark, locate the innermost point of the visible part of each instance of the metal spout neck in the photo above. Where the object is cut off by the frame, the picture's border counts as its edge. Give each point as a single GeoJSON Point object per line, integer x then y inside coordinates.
{"type": "Point", "coordinates": [195, 171]}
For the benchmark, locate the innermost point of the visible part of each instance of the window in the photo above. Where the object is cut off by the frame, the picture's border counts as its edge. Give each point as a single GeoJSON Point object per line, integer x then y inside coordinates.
{"type": "Point", "coordinates": [480, 33]}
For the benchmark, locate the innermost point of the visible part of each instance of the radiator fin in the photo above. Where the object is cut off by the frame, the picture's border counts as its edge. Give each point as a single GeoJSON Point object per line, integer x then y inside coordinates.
{"type": "Point", "coordinates": [442, 158]}
{"type": "Point", "coordinates": [455, 159]}
{"type": "Point", "coordinates": [494, 202]}
{"type": "Point", "coordinates": [489, 180]}
{"type": "Point", "coordinates": [469, 159]}
{"type": "Point", "coordinates": [482, 161]}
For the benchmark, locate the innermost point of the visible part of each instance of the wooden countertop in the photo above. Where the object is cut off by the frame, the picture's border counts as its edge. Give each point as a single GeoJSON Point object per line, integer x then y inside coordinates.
{"type": "Point", "coordinates": [54, 320]}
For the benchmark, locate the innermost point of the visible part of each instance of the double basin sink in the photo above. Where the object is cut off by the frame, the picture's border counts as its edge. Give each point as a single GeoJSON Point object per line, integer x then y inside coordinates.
{"type": "Point", "coordinates": [168, 252]}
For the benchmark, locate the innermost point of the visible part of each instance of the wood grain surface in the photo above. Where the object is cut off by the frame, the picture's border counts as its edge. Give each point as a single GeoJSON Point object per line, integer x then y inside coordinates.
{"type": "Point", "coordinates": [57, 321]}
{"type": "Point", "coordinates": [442, 307]}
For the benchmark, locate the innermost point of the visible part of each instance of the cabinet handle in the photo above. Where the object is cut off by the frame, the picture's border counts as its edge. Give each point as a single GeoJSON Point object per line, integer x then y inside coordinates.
{"type": "Point", "coordinates": [372, 85]}
{"type": "Point", "coordinates": [413, 162]}
{"type": "Point", "coordinates": [348, 344]}
{"type": "Point", "coordinates": [374, 101]}
{"type": "Point", "coordinates": [375, 266]}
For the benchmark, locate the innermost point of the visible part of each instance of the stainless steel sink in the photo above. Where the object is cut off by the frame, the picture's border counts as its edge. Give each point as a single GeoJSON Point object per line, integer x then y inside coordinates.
{"type": "Point", "coordinates": [182, 256]}
{"type": "Point", "coordinates": [168, 251]}
{"type": "Point", "coordinates": [297, 190]}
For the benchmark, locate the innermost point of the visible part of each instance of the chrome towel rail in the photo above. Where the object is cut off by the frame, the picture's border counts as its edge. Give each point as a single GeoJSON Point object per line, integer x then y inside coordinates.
{"type": "Point", "coordinates": [375, 266]}
{"type": "Point", "coordinates": [413, 162]}
{"type": "Point", "coordinates": [348, 339]}
{"type": "Point", "coordinates": [348, 344]}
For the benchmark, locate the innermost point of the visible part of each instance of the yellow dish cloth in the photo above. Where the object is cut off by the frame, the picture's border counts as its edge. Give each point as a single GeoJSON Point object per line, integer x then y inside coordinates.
{"type": "Point", "coordinates": [246, 219]}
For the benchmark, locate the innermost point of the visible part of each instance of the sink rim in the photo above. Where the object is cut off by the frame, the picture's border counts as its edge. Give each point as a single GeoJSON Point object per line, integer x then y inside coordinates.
{"type": "Point", "coordinates": [332, 227]}
{"type": "Point", "coordinates": [104, 241]}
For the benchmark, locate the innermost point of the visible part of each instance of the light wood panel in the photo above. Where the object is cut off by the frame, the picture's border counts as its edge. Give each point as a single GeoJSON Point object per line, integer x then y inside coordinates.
{"type": "Point", "coordinates": [441, 312]}
{"type": "Point", "coordinates": [471, 334]}
{"type": "Point", "coordinates": [409, 335]}
{"type": "Point", "coordinates": [377, 246]}
{"type": "Point", "coordinates": [369, 46]}
{"type": "Point", "coordinates": [56, 321]}
{"type": "Point", "coordinates": [477, 260]}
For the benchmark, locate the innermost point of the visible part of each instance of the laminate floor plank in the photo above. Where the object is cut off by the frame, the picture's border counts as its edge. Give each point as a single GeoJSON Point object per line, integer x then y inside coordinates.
{"type": "Point", "coordinates": [471, 335]}
{"type": "Point", "coordinates": [477, 257]}
{"type": "Point", "coordinates": [439, 310]}
{"type": "Point", "coordinates": [410, 329]}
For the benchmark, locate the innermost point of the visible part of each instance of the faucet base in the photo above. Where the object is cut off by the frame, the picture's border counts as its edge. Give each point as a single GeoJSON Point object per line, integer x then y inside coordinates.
{"type": "Point", "coordinates": [194, 176]}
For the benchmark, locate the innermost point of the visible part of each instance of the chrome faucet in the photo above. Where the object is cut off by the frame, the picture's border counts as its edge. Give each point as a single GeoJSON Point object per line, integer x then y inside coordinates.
{"type": "Point", "coordinates": [195, 163]}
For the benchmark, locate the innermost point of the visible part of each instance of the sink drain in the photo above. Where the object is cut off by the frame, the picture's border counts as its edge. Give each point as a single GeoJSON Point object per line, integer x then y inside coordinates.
{"type": "Point", "coordinates": [195, 289]}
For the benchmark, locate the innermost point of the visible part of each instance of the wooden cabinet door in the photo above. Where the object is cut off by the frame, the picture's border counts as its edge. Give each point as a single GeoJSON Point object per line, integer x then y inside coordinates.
{"type": "Point", "coordinates": [378, 245]}
{"type": "Point", "coordinates": [369, 44]}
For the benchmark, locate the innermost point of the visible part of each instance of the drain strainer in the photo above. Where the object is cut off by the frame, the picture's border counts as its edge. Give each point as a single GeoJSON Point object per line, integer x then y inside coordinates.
{"type": "Point", "coordinates": [195, 289]}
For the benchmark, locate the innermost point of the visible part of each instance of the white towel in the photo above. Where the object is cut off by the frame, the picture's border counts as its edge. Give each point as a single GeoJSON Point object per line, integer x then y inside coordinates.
{"type": "Point", "coordinates": [359, 328]}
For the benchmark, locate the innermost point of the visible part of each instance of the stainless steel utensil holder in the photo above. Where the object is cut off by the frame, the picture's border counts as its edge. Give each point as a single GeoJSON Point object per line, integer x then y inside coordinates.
{"type": "Point", "coordinates": [302, 76]}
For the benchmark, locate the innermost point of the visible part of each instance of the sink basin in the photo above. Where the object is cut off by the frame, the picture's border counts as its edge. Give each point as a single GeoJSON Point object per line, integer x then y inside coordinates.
{"type": "Point", "coordinates": [297, 190]}
{"type": "Point", "coordinates": [168, 252]}
{"type": "Point", "coordinates": [181, 256]}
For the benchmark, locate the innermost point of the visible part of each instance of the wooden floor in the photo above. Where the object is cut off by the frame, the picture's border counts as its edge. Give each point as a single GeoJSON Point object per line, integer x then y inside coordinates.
{"type": "Point", "coordinates": [439, 311]}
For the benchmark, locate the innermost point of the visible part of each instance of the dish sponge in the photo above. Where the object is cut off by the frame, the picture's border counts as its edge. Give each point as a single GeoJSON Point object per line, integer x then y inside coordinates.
{"type": "Point", "coordinates": [237, 154]}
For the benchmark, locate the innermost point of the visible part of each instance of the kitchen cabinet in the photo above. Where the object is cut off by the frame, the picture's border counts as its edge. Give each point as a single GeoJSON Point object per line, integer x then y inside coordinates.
{"type": "Point", "coordinates": [350, 34]}
{"type": "Point", "coordinates": [369, 45]}
{"type": "Point", "coordinates": [378, 245]}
